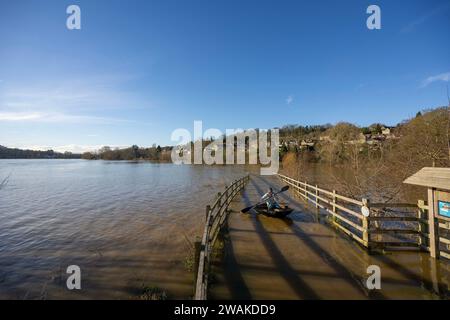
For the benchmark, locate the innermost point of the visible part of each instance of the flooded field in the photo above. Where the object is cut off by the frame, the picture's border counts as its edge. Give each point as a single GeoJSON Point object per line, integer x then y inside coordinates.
{"type": "Point", "coordinates": [124, 223]}
{"type": "Point", "coordinates": [128, 225]}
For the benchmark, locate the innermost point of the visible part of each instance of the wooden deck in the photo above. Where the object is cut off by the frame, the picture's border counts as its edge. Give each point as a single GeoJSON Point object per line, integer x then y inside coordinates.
{"type": "Point", "coordinates": [303, 257]}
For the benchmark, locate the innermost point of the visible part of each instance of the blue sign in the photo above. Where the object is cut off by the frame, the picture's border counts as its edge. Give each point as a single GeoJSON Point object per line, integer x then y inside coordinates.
{"type": "Point", "coordinates": [444, 208]}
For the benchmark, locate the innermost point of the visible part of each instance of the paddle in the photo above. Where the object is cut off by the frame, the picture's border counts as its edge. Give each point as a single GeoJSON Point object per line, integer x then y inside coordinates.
{"type": "Point", "coordinates": [285, 188]}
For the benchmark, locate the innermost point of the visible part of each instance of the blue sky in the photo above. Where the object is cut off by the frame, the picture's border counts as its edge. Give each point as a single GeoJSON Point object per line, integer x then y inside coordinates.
{"type": "Point", "coordinates": [137, 70]}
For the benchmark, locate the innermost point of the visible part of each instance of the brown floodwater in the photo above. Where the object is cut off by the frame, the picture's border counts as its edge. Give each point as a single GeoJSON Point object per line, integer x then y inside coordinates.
{"type": "Point", "coordinates": [125, 224]}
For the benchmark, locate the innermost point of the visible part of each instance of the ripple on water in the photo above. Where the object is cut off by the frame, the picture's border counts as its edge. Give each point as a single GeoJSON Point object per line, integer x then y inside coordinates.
{"type": "Point", "coordinates": [123, 223]}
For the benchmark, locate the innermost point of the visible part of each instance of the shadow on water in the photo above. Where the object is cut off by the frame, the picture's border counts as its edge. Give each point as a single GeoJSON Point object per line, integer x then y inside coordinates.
{"type": "Point", "coordinates": [429, 277]}
{"type": "Point", "coordinates": [291, 276]}
{"type": "Point", "coordinates": [232, 274]}
{"type": "Point", "coordinates": [341, 271]}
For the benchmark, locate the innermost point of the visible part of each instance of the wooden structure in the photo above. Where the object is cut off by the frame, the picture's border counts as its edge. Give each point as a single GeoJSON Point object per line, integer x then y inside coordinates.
{"type": "Point", "coordinates": [215, 218]}
{"type": "Point", "coordinates": [437, 180]}
{"type": "Point", "coordinates": [383, 226]}
{"type": "Point", "coordinates": [374, 226]}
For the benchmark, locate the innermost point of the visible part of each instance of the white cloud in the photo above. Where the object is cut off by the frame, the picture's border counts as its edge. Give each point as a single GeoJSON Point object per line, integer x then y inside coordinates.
{"type": "Point", "coordinates": [289, 100]}
{"type": "Point", "coordinates": [424, 18]}
{"type": "Point", "coordinates": [61, 97]}
{"type": "Point", "coordinates": [56, 118]}
{"type": "Point", "coordinates": [440, 77]}
{"type": "Point", "coordinates": [19, 116]}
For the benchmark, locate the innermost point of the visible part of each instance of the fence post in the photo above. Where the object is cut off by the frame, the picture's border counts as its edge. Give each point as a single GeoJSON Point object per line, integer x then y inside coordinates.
{"type": "Point", "coordinates": [306, 191]}
{"type": "Point", "coordinates": [433, 227]}
{"type": "Point", "coordinates": [421, 216]}
{"type": "Point", "coordinates": [219, 197]}
{"type": "Point", "coordinates": [317, 199]}
{"type": "Point", "coordinates": [366, 224]}
{"type": "Point", "coordinates": [334, 201]}
{"type": "Point", "coordinates": [226, 197]}
{"type": "Point", "coordinates": [208, 209]}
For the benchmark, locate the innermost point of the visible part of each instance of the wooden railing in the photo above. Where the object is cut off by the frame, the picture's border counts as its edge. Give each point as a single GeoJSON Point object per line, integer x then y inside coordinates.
{"type": "Point", "coordinates": [215, 218]}
{"type": "Point", "coordinates": [389, 225]}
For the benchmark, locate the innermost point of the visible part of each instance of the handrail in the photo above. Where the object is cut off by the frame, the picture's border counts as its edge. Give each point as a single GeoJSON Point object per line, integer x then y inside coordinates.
{"type": "Point", "coordinates": [215, 216]}
{"type": "Point", "coordinates": [358, 227]}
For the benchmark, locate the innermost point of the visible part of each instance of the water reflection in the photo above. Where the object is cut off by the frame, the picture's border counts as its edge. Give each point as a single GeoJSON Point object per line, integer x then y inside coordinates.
{"type": "Point", "coordinates": [123, 223]}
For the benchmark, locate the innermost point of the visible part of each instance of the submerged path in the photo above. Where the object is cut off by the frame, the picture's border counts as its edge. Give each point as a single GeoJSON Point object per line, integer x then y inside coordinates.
{"type": "Point", "coordinates": [303, 257]}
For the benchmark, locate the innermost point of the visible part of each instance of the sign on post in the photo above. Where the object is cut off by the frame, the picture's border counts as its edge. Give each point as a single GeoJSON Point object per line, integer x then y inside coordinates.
{"type": "Point", "coordinates": [444, 209]}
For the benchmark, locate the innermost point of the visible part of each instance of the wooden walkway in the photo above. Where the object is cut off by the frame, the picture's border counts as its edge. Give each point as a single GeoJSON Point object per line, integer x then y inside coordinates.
{"type": "Point", "coordinates": [303, 257]}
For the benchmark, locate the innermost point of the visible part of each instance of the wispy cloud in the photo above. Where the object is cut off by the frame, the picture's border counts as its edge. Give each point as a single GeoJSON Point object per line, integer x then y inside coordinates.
{"type": "Point", "coordinates": [56, 118]}
{"type": "Point", "coordinates": [19, 116]}
{"type": "Point", "coordinates": [289, 100]}
{"type": "Point", "coordinates": [440, 77]}
{"type": "Point", "coordinates": [425, 17]}
{"type": "Point", "coordinates": [74, 100]}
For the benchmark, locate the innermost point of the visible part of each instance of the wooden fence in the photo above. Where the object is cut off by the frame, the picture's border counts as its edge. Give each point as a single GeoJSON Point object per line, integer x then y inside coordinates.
{"type": "Point", "coordinates": [444, 239]}
{"type": "Point", "coordinates": [388, 226]}
{"type": "Point", "coordinates": [215, 218]}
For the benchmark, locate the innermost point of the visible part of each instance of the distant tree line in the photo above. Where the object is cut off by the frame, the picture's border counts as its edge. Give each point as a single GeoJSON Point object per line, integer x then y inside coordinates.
{"type": "Point", "coordinates": [299, 131]}
{"type": "Point", "coordinates": [154, 153]}
{"type": "Point", "coordinates": [14, 153]}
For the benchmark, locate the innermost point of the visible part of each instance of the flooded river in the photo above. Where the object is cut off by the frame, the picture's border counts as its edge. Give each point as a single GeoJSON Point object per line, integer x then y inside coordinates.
{"type": "Point", "coordinates": [125, 224]}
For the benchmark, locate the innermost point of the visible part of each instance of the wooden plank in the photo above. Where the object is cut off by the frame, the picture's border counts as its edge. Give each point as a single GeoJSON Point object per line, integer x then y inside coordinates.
{"type": "Point", "coordinates": [394, 244]}
{"type": "Point", "coordinates": [349, 233]}
{"type": "Point", "coordinates": [354, 213]}
{"type": "Point", "coordinates": [393, 205]}
{"type": "Point", "coordinates": [445, 255]}
{"type": "Point", "coordinates": [393, 231]}
{"type": "Point", "coordinates": [384, 218]}
{"type": "Point", "coordinates": [351, 223]}
{"type": "Point", "coordinates": [444, 240]}
{"type": "Point", "coordinates": [444, 226]}
{"type": "Point", "coordinates": [357, 202]}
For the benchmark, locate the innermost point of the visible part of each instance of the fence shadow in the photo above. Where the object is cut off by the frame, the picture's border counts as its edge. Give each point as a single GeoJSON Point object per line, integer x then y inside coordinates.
{"type": "Point", "coordinates": [340, 269]}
